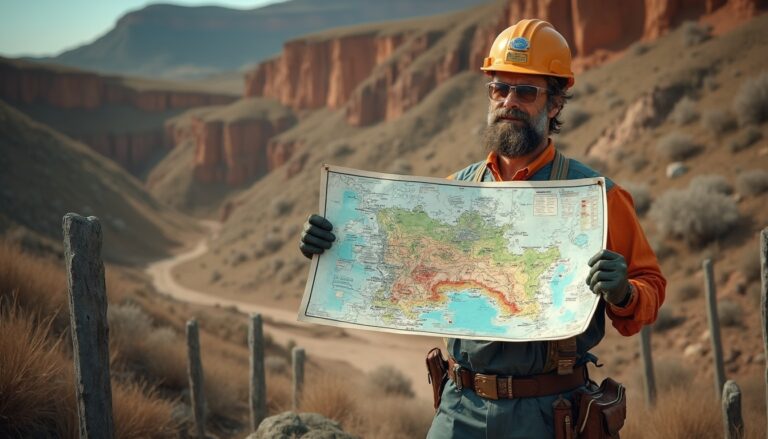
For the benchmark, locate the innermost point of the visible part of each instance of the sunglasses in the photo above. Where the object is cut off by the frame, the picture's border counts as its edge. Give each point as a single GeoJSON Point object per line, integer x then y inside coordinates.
{"type": "Point", "coordinates": [498, 91]}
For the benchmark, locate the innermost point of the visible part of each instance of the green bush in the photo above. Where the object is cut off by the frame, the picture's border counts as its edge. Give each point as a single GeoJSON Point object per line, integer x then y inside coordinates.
{"type": "Point", "coordinates": [753, 182]}
{"type": "Point", "coordinates": [694, 215]}
{"type": "Point", "coordinates": [711, 183]}
{"type": "Point", "coordinates": [684, 112]}
{"type": "Point", "coordinates": [751, 102]}
{"type": "Point", "coordinates": [677, 146]}
{"type": "Point", "coordinates": [718, 122]}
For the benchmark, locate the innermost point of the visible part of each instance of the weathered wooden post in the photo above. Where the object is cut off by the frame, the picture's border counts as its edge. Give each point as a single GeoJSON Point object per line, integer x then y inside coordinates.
{"type": "Point", "coordinates": [258, 378]}
{"type": "Point", "coordinates": [732, 421]}
{"type": "Point", "coordinates": [298, 376]}
{"type": "Point", "coordinates": [195, 370]}
{"type": "Point", "coordinates": [764, 303]}
{"type": "Point", "coordinates": [88, 320]}
{"type": "Point", "coordinates": [650, 379]}
{"type": "Point", "coordinates": [714, 326]}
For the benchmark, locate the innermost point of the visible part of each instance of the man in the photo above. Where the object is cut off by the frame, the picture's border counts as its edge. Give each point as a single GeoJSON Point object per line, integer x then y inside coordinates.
{"type": "Point", "coordinates": [530, 70]}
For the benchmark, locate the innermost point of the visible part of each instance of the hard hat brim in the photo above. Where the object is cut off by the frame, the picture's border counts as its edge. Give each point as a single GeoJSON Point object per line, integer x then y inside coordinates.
{"type": "Point", "coordinates": [524, 71]}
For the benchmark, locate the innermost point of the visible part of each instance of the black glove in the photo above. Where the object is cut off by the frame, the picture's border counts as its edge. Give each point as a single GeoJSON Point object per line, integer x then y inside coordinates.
{"type": "Point", "coordinates": [317, 236]}
{"type": "Point", "coordinates": [608, 276]}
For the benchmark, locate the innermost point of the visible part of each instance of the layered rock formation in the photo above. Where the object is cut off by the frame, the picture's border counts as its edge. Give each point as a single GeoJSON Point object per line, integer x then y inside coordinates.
{"type": "Point", "coordinates": [379, 72]}
{"type": "Point", "coordinates": [231, 142]}
{"type": "Point", "coordinates": [36, 86]}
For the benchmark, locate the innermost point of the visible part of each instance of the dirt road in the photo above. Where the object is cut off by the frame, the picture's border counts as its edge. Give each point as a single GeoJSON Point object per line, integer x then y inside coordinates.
{"type": "Point", "coordinates": [365, 350]}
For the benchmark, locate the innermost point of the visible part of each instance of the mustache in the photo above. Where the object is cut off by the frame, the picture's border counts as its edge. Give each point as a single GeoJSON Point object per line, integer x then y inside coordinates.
{"type": "Point", "coordinates": [500, 113]}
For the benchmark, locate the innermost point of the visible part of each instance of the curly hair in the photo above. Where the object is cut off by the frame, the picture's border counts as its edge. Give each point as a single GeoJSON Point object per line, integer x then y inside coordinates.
{"type": "Point", "coordinates": [557, 96]}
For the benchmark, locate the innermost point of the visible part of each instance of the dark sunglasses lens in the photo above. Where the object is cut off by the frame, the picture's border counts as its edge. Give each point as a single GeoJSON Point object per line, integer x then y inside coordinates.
{"type": "Point", "coordinates": [498, 91]}
{"type": "Point", "coordinates": [526, 93]}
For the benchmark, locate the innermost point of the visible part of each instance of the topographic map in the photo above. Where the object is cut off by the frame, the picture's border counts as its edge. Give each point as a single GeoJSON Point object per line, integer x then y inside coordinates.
{"type": "Point", "coordinates": [490, 261]}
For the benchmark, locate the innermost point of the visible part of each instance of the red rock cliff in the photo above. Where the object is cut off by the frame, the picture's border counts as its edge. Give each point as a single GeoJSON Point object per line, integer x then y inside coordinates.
{"type": "Point", "coordinates": [231, 142]}
{"type": "Point", "coordinates": [380, 77]}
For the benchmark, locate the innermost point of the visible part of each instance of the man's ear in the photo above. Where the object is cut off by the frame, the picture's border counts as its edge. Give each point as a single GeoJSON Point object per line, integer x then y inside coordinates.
{"type": "Point", "coordinates": [556, 107]}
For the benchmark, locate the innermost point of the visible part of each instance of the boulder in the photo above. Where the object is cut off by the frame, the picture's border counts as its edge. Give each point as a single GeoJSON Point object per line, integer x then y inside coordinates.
{"type": "Point", "coordinates": [290, 425]}
{"type": "Point", "coordinates": [676, 169]}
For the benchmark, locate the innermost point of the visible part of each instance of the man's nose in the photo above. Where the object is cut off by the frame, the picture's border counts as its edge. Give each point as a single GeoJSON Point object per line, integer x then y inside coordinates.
{"type": "Point", "coordinates": [510, 101]}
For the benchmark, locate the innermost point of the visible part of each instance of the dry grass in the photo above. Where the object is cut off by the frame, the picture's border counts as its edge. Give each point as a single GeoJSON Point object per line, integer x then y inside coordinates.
{"type": "Point", "coordinates": [36, 392]}
{"type": "Point", "coordinates": [331, 396]}
{"type": "Point", "coordinates": [391, 418]}
{"type": "Point", "coordinates": [138, 412]}
{"type": "Point", "coordinates": [40, 283]}
{"type": "Point", "coordinates": [751, 103]}
{"type": "Point", "coordinates": [752, 182]}
{"type": "Point", "coordinates": [677, 146]}
{"type": "Point", "coordinates": [694, 412]}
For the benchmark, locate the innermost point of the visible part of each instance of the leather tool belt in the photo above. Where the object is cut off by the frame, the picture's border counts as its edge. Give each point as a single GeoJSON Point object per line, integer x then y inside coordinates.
{"type": "Point", "coordinates": [501, 386]}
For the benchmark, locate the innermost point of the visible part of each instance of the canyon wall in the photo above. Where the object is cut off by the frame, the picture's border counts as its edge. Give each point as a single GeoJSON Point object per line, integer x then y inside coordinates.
{"type": "Point", "coordinates": [377, 74]}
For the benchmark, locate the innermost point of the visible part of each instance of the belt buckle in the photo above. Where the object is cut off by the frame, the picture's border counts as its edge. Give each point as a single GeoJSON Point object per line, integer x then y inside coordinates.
{"type": "Point", "coordinates": [485, 386]}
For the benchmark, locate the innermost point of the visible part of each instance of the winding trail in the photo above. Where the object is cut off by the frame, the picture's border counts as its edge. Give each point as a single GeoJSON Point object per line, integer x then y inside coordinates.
{"type": "Point", "coordinates": [365, 350]}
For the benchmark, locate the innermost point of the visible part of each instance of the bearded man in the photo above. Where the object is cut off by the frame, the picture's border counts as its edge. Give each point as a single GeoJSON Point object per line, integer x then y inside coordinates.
{"type": "Point", "coordinates": [529, 67]}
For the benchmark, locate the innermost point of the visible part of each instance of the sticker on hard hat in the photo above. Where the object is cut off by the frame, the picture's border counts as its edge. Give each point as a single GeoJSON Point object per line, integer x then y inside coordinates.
{"type": "Point", "coordinates": [519, 43]}
{"type": "Point", "coordinates": [516, 57]}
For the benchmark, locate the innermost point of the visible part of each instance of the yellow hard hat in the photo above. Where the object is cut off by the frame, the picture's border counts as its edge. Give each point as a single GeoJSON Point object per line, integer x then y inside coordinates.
{"type": "Point", "coordinates": [531, 47]}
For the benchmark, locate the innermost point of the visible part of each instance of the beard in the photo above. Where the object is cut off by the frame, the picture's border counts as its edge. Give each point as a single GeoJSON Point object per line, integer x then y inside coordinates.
{"type": "Point", "coordinates": [509, 139]}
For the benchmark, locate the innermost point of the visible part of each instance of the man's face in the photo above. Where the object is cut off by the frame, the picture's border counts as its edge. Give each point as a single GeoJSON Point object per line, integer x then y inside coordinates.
{"type": "Point", "coordinates": [516, 128]}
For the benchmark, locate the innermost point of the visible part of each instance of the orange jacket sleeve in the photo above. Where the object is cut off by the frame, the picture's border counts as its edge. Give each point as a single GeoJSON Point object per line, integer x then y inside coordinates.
{"type": "Point", "coordinates": [626, 237]}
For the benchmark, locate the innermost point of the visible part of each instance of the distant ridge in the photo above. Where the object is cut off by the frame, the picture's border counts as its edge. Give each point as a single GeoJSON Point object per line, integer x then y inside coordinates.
{"type": "Point", "coordinates": [190, 42]}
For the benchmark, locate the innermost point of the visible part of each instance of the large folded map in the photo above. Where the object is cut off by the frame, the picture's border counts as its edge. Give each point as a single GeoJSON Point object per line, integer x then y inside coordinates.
{"type": "Point", "coordinates": [490, 261]}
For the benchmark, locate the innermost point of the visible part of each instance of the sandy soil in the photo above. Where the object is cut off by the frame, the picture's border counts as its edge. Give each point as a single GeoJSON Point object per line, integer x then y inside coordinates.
{"type": "Point", "coordinates": [365, 350]}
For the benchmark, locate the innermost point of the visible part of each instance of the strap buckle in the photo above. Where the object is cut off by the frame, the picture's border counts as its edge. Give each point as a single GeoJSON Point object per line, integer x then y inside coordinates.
{"type": "Point", "coordinates": [457, 377]}
{"type": "Point", "coordinates": [485, 386]}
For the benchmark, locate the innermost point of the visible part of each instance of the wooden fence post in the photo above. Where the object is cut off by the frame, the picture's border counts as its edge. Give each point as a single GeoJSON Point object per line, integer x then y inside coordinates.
{"type": "Point", "coordinates": [195, 370]}
{"type": "Point", "coordinates": [88, 321]}
{"type": "Point", "coordinates": [714, 326]}
{"type": "Point", "coordinates": [298, 376]}
{"type": "Point", "coordinates": [764, 303]}
{"type": "Point", "coordinates": [732, 420]}
{"type": "Point", "coordinates": [650, 379]}
{"type": "Point", "coordinates": [258, 379]}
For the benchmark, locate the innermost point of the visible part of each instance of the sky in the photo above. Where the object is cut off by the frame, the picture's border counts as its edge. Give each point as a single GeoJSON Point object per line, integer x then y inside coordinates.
{"type": "Point", "coordinates": [49, 27]}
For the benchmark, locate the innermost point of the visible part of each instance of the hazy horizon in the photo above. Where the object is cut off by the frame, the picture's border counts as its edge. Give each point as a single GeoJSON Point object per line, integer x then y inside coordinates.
{"type": "Point", "coordinates": [47, 28]}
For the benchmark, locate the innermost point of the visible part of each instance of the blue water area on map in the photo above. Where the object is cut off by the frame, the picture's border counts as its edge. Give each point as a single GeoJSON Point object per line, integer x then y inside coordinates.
{"type": "Point", "coordinates": [560, 280]}
{"type": "Point", "coordinates": [581, 240]}
{"type": "Point", "coordinates": [470, 310]}
{"type": "Point", "coordinates": [345, 250]}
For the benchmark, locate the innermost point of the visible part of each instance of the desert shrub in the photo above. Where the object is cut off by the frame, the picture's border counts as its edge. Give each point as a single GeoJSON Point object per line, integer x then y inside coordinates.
{"type": "Point", "coordinates": [128, 325]}
{"type": "Point", "coordinates": [681, 412]}
{"type": "Point", "coordinates": [281, 207]}
{"type": "Point", "coordinates": [637, 163]}
{"type": "Point", "coordinates": [272, 242]}
{"type": "Point", "coordinates": [718, 121]}
{"type": "Point", "coordinates": [276, 365]}
{"type": "Point", "coordinates": [615, 102]}
{"type": "Point", "coordinates": [330, 396]}
{"type": "Point", "coordinates": [641, 195]}
{"type": "Point", "coordinates": [391, 381]}
{"type": "Point", "coordinates": [666, 320]}
{"type": "Point", "coordinates": [694, 215]}
{"type": "Point", "coordinates": [639, 48]}
{"type": "Point", "coordinates": [711, 183]}
{"type": "Point", "coordinates": [745, 139]}
{"type": "Point", "coordinates": [660, 247]}
{"type": "Point", "coordinates": [686, 291]}
{"type": "Point", "coordinates": [695, 33]}
{"type": "Point", "coordinates": [37, 397]}
{"type": "Point", "coordinates": [341, 150]}
{"type": "Point", "coordinates": [753, 182]}
{"type": "Point", "coordinates": [226, 386]}
{"type": "Point", "coordinates": [751, 102]}
{"type": "Point", "coordinates": [684, 112]}
{"type": "Point", "coordinates": [677, 146]}
{"type": "Point", "coordinates": [139, 412]}
{"type": "Point", "coordinates": [729, 313]}
{"type": "Point", "coordinates": [671, 374]}
{"type": "Point", "coordinates": [163, 359]}
{"type": "Point", "coordinates": [392, 417]}
{"type": "Point", "coordinates": [574, 116]}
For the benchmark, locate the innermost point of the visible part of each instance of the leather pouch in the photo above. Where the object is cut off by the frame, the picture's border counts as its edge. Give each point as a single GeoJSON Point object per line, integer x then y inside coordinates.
{"type": "Point", "coordinates": [563, 418]}
{"type": "Point", "coordinates": [437, 374]}
{"type": "Point", "coordinates": [601, 411]}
